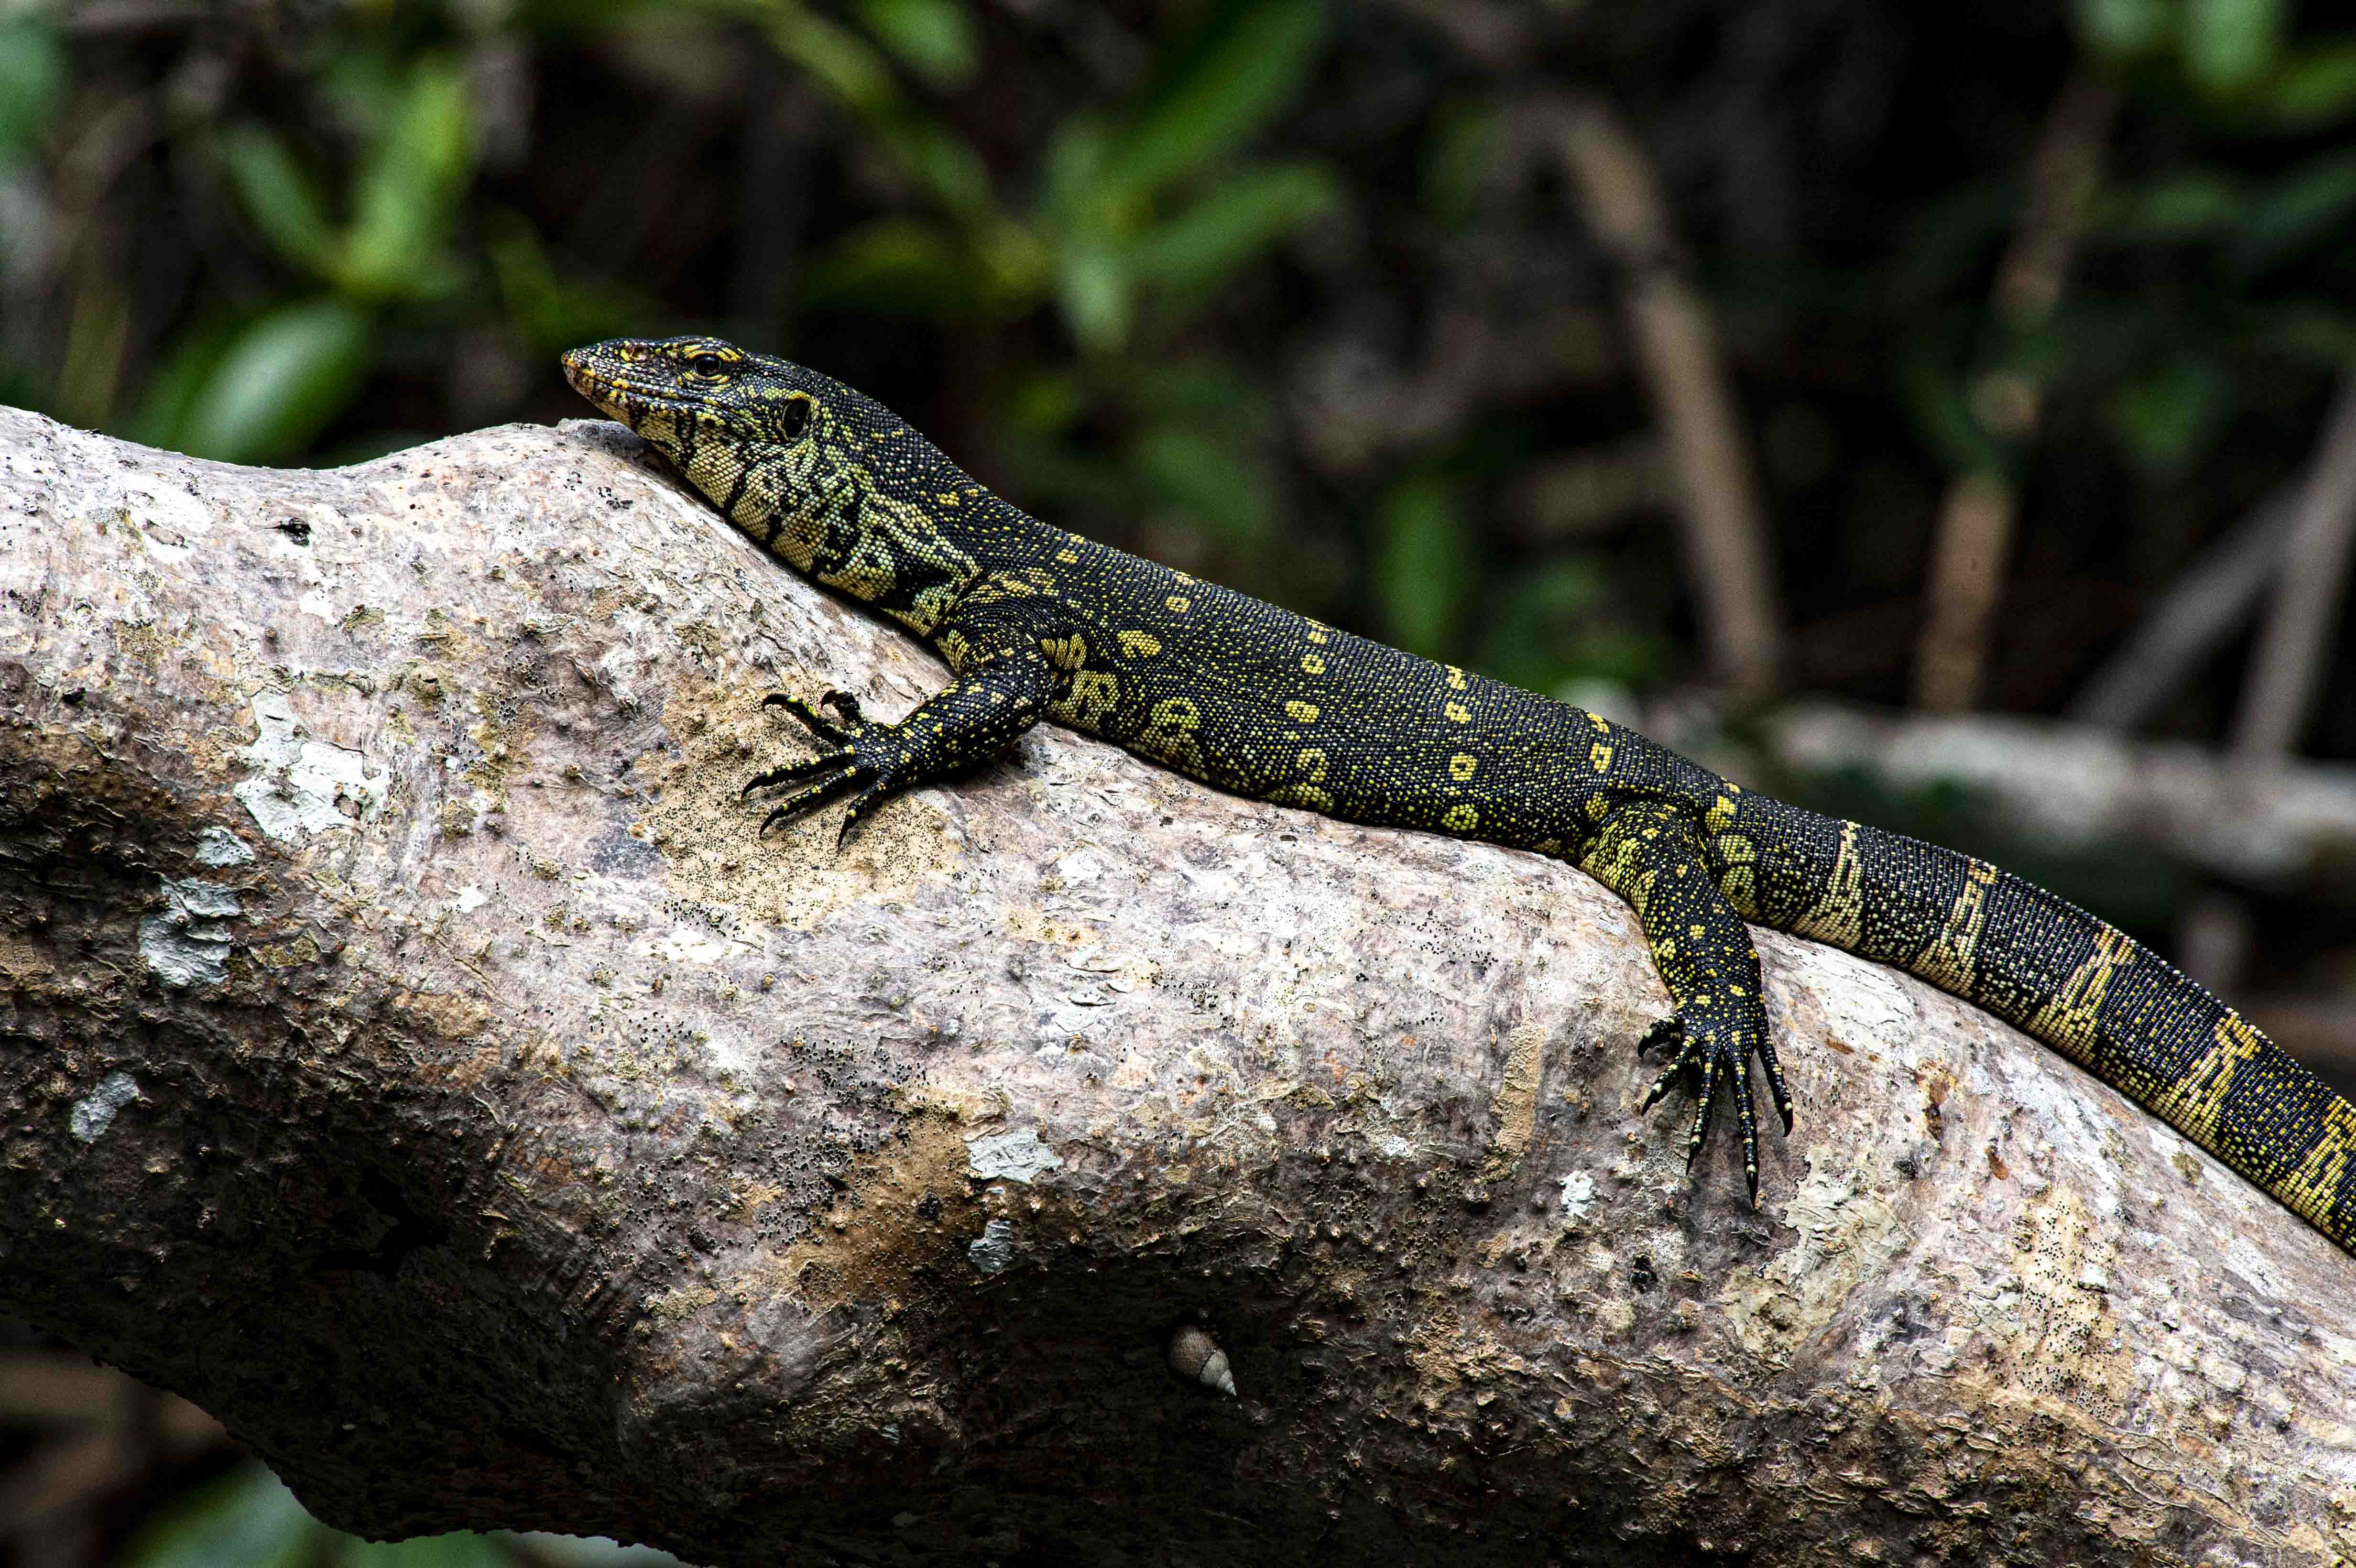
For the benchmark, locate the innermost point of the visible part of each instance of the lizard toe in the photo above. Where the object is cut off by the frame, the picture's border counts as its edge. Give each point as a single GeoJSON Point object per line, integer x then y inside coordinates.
{"type": "Point", "coordinates": [797, 770]}
{"type": "Point", "coordinates": [813, 797]}
{"type": "Point", "coordinates": [816, 721]}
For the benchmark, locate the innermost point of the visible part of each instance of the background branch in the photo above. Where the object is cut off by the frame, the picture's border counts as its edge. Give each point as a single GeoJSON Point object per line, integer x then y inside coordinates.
{"type": "Point", "coordinates": [1676, 350]}
{"type": "Point", "coordinates": [1973, 541]}
{"type": "Point", "coordinates": [2296, 638]}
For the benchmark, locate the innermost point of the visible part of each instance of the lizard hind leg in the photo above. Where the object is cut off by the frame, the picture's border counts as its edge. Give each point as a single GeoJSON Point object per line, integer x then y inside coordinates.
{"type": "Point", "coordinates": [1651, 856]}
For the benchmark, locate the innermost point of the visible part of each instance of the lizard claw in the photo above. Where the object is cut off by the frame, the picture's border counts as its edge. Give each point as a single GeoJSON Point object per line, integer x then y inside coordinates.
{"type": "Point", "coordinates": [795, 772]}
{"type": "Point", "coordinates": [811, 797]}
{"type": "Point", "coordinates": [831, 731]}
{"type": "Point", "coordinates": [1717, 1059]}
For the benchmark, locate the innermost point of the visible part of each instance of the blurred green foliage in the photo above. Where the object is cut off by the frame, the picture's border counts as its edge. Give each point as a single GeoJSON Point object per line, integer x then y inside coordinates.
{"type": "Point", "coordinates": [2231, 72]}
{"type": "Point", "coordinates": [249, 1520]}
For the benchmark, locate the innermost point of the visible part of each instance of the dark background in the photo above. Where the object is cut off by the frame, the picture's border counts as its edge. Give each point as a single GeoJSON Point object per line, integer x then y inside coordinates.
{"type": "Point", "coordinates": [1302, 296]}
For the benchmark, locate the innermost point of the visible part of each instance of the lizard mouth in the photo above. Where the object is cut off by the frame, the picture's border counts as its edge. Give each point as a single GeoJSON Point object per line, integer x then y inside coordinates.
{"type": "Point", "coordinates": [610, 385]}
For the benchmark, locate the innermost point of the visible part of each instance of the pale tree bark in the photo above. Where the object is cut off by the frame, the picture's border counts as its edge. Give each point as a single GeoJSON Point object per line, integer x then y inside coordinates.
{"type": "Point", "coordinates": [408, 1052]}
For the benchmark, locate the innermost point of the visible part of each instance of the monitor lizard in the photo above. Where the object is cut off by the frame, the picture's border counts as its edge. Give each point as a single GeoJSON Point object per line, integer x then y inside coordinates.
{"type": "Point", "coordinates": [1038, 622]}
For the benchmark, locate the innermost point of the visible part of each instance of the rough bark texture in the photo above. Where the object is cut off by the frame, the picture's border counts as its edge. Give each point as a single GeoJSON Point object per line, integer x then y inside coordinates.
{"type": "Point", "coordinates": [408, 1052]}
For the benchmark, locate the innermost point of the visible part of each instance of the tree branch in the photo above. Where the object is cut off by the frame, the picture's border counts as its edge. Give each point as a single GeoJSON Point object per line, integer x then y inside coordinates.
{"type": "Point", "coordinates": [2279, 694]}
{"type": "Point", "coordinates": [1973, 542]}
{"type": "Point", "coordinates": [1676, 346]}
{"type": "Point", "coordinates": [408, 1052]}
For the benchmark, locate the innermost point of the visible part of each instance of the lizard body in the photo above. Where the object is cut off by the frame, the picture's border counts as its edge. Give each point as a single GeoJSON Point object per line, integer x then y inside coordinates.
{"type": "Point", "coordinates": [1037, 623]}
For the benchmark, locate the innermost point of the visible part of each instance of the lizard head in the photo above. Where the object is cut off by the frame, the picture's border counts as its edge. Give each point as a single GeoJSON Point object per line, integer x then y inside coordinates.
{"type": "Point", "coordinates": [713, 409]}
{"type": "Point", "coordinates": [825, 476]}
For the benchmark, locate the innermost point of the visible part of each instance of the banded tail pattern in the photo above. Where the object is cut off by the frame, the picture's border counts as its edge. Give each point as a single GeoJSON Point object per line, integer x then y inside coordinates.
{"type": "Point", "coordinates": [2074, 983]}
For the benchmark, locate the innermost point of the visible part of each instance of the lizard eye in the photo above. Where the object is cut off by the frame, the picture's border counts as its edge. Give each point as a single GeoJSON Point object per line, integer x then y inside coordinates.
{"type": "Point", "coordinates": [794, 418]}
{"type": "Point", "coordinates": [706, 364]}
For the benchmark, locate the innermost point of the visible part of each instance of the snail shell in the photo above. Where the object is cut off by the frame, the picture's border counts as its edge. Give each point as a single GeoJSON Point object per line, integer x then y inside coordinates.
{"type": "Point", "coordinates": [1194, 1355]}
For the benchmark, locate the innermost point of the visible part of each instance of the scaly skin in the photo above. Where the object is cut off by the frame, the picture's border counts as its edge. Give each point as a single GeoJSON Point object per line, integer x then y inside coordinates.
{"type": "Point", "coordinates": [1036, 622]}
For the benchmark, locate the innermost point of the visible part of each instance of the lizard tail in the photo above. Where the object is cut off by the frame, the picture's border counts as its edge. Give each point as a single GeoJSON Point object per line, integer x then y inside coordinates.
{"type": "Point", "coordinates": [2076, 983]}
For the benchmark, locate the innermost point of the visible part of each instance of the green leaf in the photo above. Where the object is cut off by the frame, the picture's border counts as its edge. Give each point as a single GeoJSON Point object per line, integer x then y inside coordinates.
{"type": "Point", "coordinates": [941, 158]}
{"type": "Point", "coordinates": [2310, 331]}
{"type": "Point", "coordinates": [550, 312]}
{"type": "Point", "coordinates": [1046, 402]}
{"type": "Point", "coordinates": [407, 190]}
{"type": "Point", "coordinates": [2195, 204]}
{"type": "Point", "coordinates": [2306, 206]}
{"type": "Point", "coordinates": [186, 363]}
{"type": "Point", "coordinates": [280, 198]}
{"type": "Point", "coordinates": [2169, 418]}
{"type": "Point", "coordinates": [1074, 194]}
{"type": "Point", "coordinates": [843, 61]}
{"type": "Point", "coordinates": [589, 1552]}
{"type": "Point", "coordinates": [1952, 240]}
{"type": "Point", "coordinates": [849, 67]}
{"type": "Point", "coordinates": [2229, 45]}
{"type": "Point", "coordinates": [278, 383]}
{"type": "Point", "coordinates": [32, 81]}
{"type": "Point", "coordinates": [900, 266]}
{"type": "Point", "coordinates": [1206, 390]}
{"type": "Point", "coordinates": [1457, 159]}
{"type": "Point", "coordinates": [935, 37]}
{"type": "Point", "coordinates": [1237, 73]}
{"type": "Point", "coordinates": [459, 1549]}
{"type": "Point", "coordinates": [248, 1520]}
{"type": "Point", "coordinates": [1198, 248]}
{"type": "Point", "coordinates": [2315, 87]}
{"type": "Point", "coordinates": [2122, 29]}
{"type": "Point", "coordinates": [1212, 479]}
{"type": "Point", "coordinates": [1935, 394]}
{"type": "Point", "coordinates": [1422, 566]}
{"type": "Point", "coordinates": [1095, 290]}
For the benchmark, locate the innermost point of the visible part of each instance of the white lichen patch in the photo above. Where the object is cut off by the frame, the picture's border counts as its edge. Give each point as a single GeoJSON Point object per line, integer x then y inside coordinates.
{"type": "Point", "coordinates": [1010, 1156]}
{"type": "Point", "coordinates": [470, 899]}
{"type": "Point", "coordinates": [995, 1249]}
{"type": "Point", "coordinates": [189, 942]}
{"type": "Point", "coordinates": [1578, 1194]}
{"type": "Point", "coordinates": [687, 945]}
{"type": "Point", "coordinates": [94, 1113]}
{"type": "Point", "coordinates": [219, 847]}
{"type": "Point", "coordinates": [305, 785]}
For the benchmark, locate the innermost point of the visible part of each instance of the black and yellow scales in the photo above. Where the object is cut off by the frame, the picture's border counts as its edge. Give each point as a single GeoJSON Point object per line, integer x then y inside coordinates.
{"type": "Point", "coordinates": [1036, 622]}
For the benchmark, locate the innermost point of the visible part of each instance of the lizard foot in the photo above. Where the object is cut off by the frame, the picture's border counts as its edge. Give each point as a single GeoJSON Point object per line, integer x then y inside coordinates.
{"type": "Point", "coordinates": [1714, 1052]}
{"type": "Point", "coordinates": [865, 757]}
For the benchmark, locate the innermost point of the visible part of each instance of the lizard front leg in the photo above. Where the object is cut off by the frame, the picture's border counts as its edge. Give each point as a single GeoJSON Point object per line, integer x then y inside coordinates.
{"type": "Point", "coordinates": [1649, 854]}
{"type": "Point", "coordinates": [1005, 680]}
